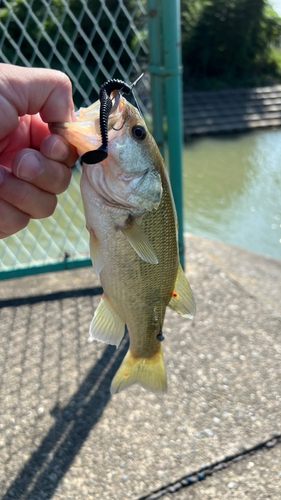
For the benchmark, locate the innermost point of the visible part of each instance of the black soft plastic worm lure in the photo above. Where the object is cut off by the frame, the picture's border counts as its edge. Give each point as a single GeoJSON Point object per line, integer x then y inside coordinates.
{"type": "Point", "coordinates": [100, 154]}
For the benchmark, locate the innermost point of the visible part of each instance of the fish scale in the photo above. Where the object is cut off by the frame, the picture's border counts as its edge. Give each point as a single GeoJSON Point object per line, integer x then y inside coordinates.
{"type": "Point", "coordinates": [154, 283]}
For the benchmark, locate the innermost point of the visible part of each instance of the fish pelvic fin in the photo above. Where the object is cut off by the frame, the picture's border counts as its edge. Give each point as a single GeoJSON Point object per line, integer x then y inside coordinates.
{"type": "Point", "coordinates": [140, 242]}
{"type": "Point", "coordinates": [95, 253]}
{"type": "Point", "coordinates": [150, 373]}
{"type": "Point", "coordinates": [182, 300]}
{"type": "Point", "coordinates": [106, 325]}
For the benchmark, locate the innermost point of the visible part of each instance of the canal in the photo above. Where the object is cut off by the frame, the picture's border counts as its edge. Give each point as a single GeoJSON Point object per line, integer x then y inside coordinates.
{"type": "Point", "coordinates": [232, 190]}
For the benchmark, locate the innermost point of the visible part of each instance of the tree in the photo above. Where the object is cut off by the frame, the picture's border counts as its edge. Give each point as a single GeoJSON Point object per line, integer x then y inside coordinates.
{"type": "Point", "coordinates": [229, 40]}
{"type": "Point", "coordinates": [224, 42]}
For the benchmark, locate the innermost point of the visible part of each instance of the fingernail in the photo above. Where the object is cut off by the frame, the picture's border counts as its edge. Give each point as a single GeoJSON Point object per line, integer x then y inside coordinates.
{"type": "Point", "coordinates": [60, 150]}
{"type": "Point", "coordinates": [28, 167]}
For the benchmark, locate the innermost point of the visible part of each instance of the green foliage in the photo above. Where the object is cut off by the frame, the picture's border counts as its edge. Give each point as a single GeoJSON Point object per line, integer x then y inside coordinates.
{"type": "Point", "coordinates": [229, 42]}
{"type": "Point", "coordinates": [224, 42]}
{"type": "Point", "coordinates": [70, 35]}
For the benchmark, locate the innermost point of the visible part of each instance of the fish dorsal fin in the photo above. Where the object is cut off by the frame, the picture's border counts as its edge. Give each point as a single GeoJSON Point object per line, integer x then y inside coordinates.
{"type": "Point", "coordinates": [182, 300]}
{"type": "Point", "coordinates": [95, 253]}
{"type": "Point", "coordinates": [140, 242]}
{"type": "Point", "coordinates": [106, 325]}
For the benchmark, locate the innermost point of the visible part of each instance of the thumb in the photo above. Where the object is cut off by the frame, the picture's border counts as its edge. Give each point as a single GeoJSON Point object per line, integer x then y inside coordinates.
{"type": "Point", "coordinates": [30, 91]}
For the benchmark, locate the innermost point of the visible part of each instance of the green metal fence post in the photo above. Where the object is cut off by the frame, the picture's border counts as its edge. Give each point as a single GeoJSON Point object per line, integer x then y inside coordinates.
{"type": "Point", "coordinates": [173, 87]}
{"type": "Point", "coordinates": [155, 67]}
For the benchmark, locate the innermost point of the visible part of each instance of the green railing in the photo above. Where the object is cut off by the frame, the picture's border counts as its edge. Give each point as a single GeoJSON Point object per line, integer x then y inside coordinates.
{"type": "Point", "coordinates": [92, 41]}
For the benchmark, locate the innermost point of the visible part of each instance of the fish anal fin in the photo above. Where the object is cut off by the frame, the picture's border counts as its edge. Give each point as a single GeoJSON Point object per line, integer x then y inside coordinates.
{"type": "Point", "coordinates": [140, 242]}
{"type": "Point", "coordinates": [95, 253]}
{"type": "Point", "coordinates": [106, 325]}
{"type": "Point", "coordinates": [150, 373]}
{"type": "Point", "coordinates": [182, 300]}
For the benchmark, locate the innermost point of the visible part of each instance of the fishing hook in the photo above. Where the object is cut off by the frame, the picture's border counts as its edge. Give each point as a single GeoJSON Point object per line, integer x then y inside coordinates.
{"type": "Point", "coordinates": [117, 129]}
{"type": "Point", "coordinates": [106, 107]}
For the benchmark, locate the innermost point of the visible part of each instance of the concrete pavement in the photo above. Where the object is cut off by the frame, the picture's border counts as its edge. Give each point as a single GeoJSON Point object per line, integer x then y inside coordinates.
{"type": "Point", "coordinates": [62, 435]}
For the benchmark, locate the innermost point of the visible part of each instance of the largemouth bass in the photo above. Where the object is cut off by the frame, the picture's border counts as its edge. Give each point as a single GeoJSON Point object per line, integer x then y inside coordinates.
{"type": "Point", "coordinates": [132, 221]}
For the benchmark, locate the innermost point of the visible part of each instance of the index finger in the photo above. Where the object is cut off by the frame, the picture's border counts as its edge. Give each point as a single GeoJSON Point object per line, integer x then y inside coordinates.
{"type": "Point", "coordinates": [30, 91]}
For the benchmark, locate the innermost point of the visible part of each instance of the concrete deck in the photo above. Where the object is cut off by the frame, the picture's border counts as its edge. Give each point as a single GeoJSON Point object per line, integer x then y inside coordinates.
{"type": "Point", "coordinates": [62, 435]}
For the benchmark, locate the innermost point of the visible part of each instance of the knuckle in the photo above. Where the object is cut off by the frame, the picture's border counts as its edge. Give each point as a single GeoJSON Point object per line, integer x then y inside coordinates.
{"type": "Point", "coordinates": [46, 208]}
{"type": "Point", "coordinates": [21, 223]}
{"type": "Point", "coordinates": [24, 194]}
{"type": "Point", "coordinates": [65, 181]}
{"type": "Point", "coordinates": [62, 179]}
{"type": "Point", "coordinates": [50, 207]}
{"type": "Point", "coordinates": [11, 220]}
{"type": "Point", "coordinates": [62, 79]}
{"type": "Point", "coordinates": [60, 75]}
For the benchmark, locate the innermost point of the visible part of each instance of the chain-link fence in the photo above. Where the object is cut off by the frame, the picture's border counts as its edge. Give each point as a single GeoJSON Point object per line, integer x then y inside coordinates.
{"type": "Point", "coordinates": [91, 41]}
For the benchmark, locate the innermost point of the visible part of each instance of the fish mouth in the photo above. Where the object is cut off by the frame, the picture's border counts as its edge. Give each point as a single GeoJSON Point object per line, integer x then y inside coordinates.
{"type": "Point", "coordinates": [84, 132]}
{"type": "Point", "coordinates": [109, 101]}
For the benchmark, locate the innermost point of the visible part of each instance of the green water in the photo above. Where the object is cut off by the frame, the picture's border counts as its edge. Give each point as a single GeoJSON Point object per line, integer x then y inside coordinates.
{"type": "Point", "coordinates": [232, 190]}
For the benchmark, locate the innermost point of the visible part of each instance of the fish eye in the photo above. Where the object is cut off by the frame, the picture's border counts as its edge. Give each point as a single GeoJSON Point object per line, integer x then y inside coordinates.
{"type": "Point", "coordinates": [138, 132]}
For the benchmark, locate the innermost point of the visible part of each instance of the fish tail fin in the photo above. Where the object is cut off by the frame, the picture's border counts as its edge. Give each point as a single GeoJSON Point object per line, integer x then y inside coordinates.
{"type": "Point", "coordinates": [150, 373]}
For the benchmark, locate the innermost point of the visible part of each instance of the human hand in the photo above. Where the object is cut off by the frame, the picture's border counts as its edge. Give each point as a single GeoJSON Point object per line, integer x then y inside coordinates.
{"type": "Point", "coordinates": [34, 165]}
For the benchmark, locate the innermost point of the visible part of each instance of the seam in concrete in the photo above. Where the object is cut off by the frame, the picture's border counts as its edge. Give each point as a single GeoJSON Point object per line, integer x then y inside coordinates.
{"type": "Point", "coordinates": [204, 472]}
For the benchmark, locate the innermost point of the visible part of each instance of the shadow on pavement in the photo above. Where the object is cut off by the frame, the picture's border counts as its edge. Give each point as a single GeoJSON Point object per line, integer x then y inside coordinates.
{"type": "Point", "coordinates": [39, 478]}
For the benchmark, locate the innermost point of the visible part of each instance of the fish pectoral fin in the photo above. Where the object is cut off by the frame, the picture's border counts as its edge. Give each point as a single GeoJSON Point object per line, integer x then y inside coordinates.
{"type": "Point", "coordinates": [106, 325]}
{"type": "Point", "coordinates": [95, 253]}
{"type": "Point", "coordinates": [140, 242]}
{"type": "Point", "coordinates": [150, 373]}
{"type": "Point", "coordinates": [182, 300]}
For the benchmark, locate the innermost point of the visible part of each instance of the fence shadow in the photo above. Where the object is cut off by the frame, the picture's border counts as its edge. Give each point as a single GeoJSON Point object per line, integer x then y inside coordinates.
{"type": "Point", "coordinates": [52, 459]}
